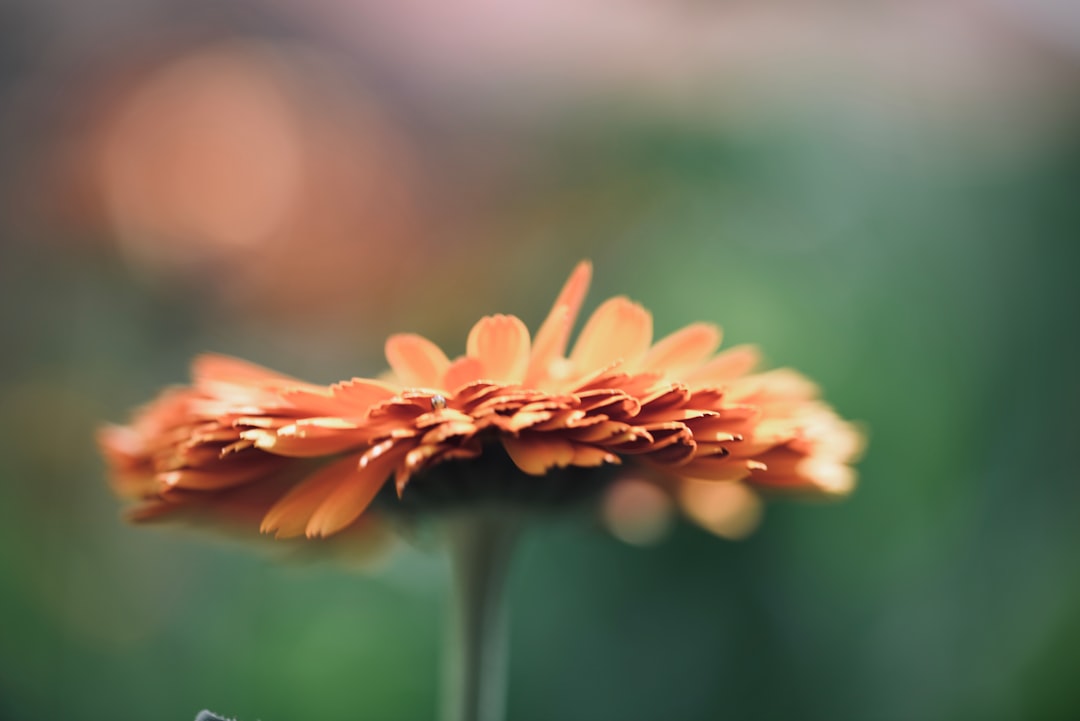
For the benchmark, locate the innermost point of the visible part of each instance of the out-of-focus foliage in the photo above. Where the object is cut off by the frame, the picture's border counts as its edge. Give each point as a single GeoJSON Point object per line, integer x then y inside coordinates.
{"type": "Point", "coordinates": [884, 197]}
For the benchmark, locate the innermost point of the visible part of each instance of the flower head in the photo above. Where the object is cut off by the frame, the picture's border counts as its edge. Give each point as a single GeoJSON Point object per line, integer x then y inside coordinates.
{"type": "Point", "coordinates": [247, 444]}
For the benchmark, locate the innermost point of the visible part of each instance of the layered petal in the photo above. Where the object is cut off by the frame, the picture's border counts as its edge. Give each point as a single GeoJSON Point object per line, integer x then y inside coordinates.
{"type": "Point", "coordinates": [683, 350]}
{"type": "Point", "coordinates": [351, 496]}
{"type": "Point", "coordinates": [416, 361]}
{"type": "Point", "coordinates": [290, 516]}
{"type": "Point", "coordinates": [501, 344]}
{"type": "Point", "coordinates": [700, 429]}
{"type": "Point", "coordinates": [554, 333]}
{"type": "Point", "coordinates": [619, 330]}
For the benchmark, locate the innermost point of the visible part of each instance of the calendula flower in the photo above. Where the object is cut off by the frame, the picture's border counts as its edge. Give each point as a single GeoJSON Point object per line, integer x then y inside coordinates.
{"type": "Point", "coordinates": [517, 419]}
{"type": "Point", "coordinates": [246, 444]}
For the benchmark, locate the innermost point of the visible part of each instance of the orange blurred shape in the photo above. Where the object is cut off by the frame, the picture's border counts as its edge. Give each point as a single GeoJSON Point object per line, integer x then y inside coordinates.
{"type": "Point", "coordinates": [206, 153]}
{"type": "Point", "coordinates": [261, 168]}
{"type": "Point", "coordinates": [728, 509]}
{"type": "Point", "coordinates": [637, 511]}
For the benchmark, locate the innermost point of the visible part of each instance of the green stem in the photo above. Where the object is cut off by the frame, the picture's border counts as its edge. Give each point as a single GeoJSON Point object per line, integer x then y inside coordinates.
{"type": "Point", "coordinates": [475, 673]}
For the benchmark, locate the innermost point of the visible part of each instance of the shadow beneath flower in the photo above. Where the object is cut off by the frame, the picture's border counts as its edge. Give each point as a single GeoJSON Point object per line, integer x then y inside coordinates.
{"type": "Point", "coordinates": [493, 478]}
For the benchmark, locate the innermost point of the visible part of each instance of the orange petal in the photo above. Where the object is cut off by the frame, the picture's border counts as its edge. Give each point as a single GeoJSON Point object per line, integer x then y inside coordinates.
{"type": "Point", "coordinates": [290, 515]}
{"type": "Point", "coordinates": [787, 470]}
{"type": "Point", "coordinates": [618, 329]}
{"type": "Point", "coordinates": [450, 429]}
{"type": "Point", "coordinates": [298, 441]}
{"type": "Point", "coordinates": [415, 360]}
{"type": "Point", "coordinates": [725, 367]}
{"type": "Point", "coordinates": [360, 394]}
{"type": "Point", "coordinates": [310, 402]}
{"type": "Point", "coordinates": [593, 456]}
{"type": "Point", "coordinates": [501, 343]}
{"type": "Point", "coordinates": [683, 350]}
{"type": "Point", "coordinates": [715, 468]}
{"type": "Point", "coordinates": [211, 368]}
{"type": "Point", "coordinates": [782, 385]}
{"type": "Point", "coordinates": [524, 419]}
{"type": "Point", "coordinates": [554, 332]}
{"type": "Point", "coordinates": [345, 503]}
{"type": "Point", "coordinates": [224, 475]}
{"type": "Point", "coordinates": [828, 476]}
{"type": "Point", "coordinates": [536, 455]}
{"type": "Point", "coordinates": [461, 372]}
{"type": "Point", "coordinates": [120, 442]}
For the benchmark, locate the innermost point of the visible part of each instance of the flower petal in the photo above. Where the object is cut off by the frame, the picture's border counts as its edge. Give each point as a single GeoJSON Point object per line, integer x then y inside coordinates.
{"type": "Point", "coordinates": [535, 455]}
{"type": "Point", "coordinates": [501, 343]}
{"type": "Point", "coordinates": [683, 350]}
{"type": "Point", "coordinates": [345, 503]}
{"type": "Point", "coordinates": [593, 456]}
{"type": "Point", "coordinates": [725, 367]}
{"type": "Point", "coordinates": [782, 385]}
{"type": "Point", "coordinates": [715, 468]}
{"type": "Point", "coordinates": [299, 440]}
{"type": "Point", "coordinates": [463, 371]}
{"type": "Point", "coordinates": [290, 515]}
{"type": "Point", "coordinates": [415, 360]}
{"type": "Point", "coordinates": [784, 469]}
{"type": "Point", "coordinates": [830, 476]}
{"type": "Point", "coordinates": [223, 475]}
{"type": "Point", "coordinates": [551, 339]}
{"type": "Point", "coordinates": [618, 329]}
{"type": "Point", "coordinates": [226, 369]}
{"type": "Point", "coordinates": [359, 395]}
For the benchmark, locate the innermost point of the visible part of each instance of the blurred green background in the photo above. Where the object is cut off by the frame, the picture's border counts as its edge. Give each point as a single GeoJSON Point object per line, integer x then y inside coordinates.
{"type": "Point", "coordinates": [885, 196]}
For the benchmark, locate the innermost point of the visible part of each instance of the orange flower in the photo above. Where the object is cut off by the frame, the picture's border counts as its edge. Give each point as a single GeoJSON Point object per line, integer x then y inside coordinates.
{"type": "Point", "coordinates": [243, 442]}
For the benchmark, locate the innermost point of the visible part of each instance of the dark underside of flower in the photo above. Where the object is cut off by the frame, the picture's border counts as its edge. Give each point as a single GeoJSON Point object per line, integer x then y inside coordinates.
{"type": "Point", "coordinates": [493, 479]}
